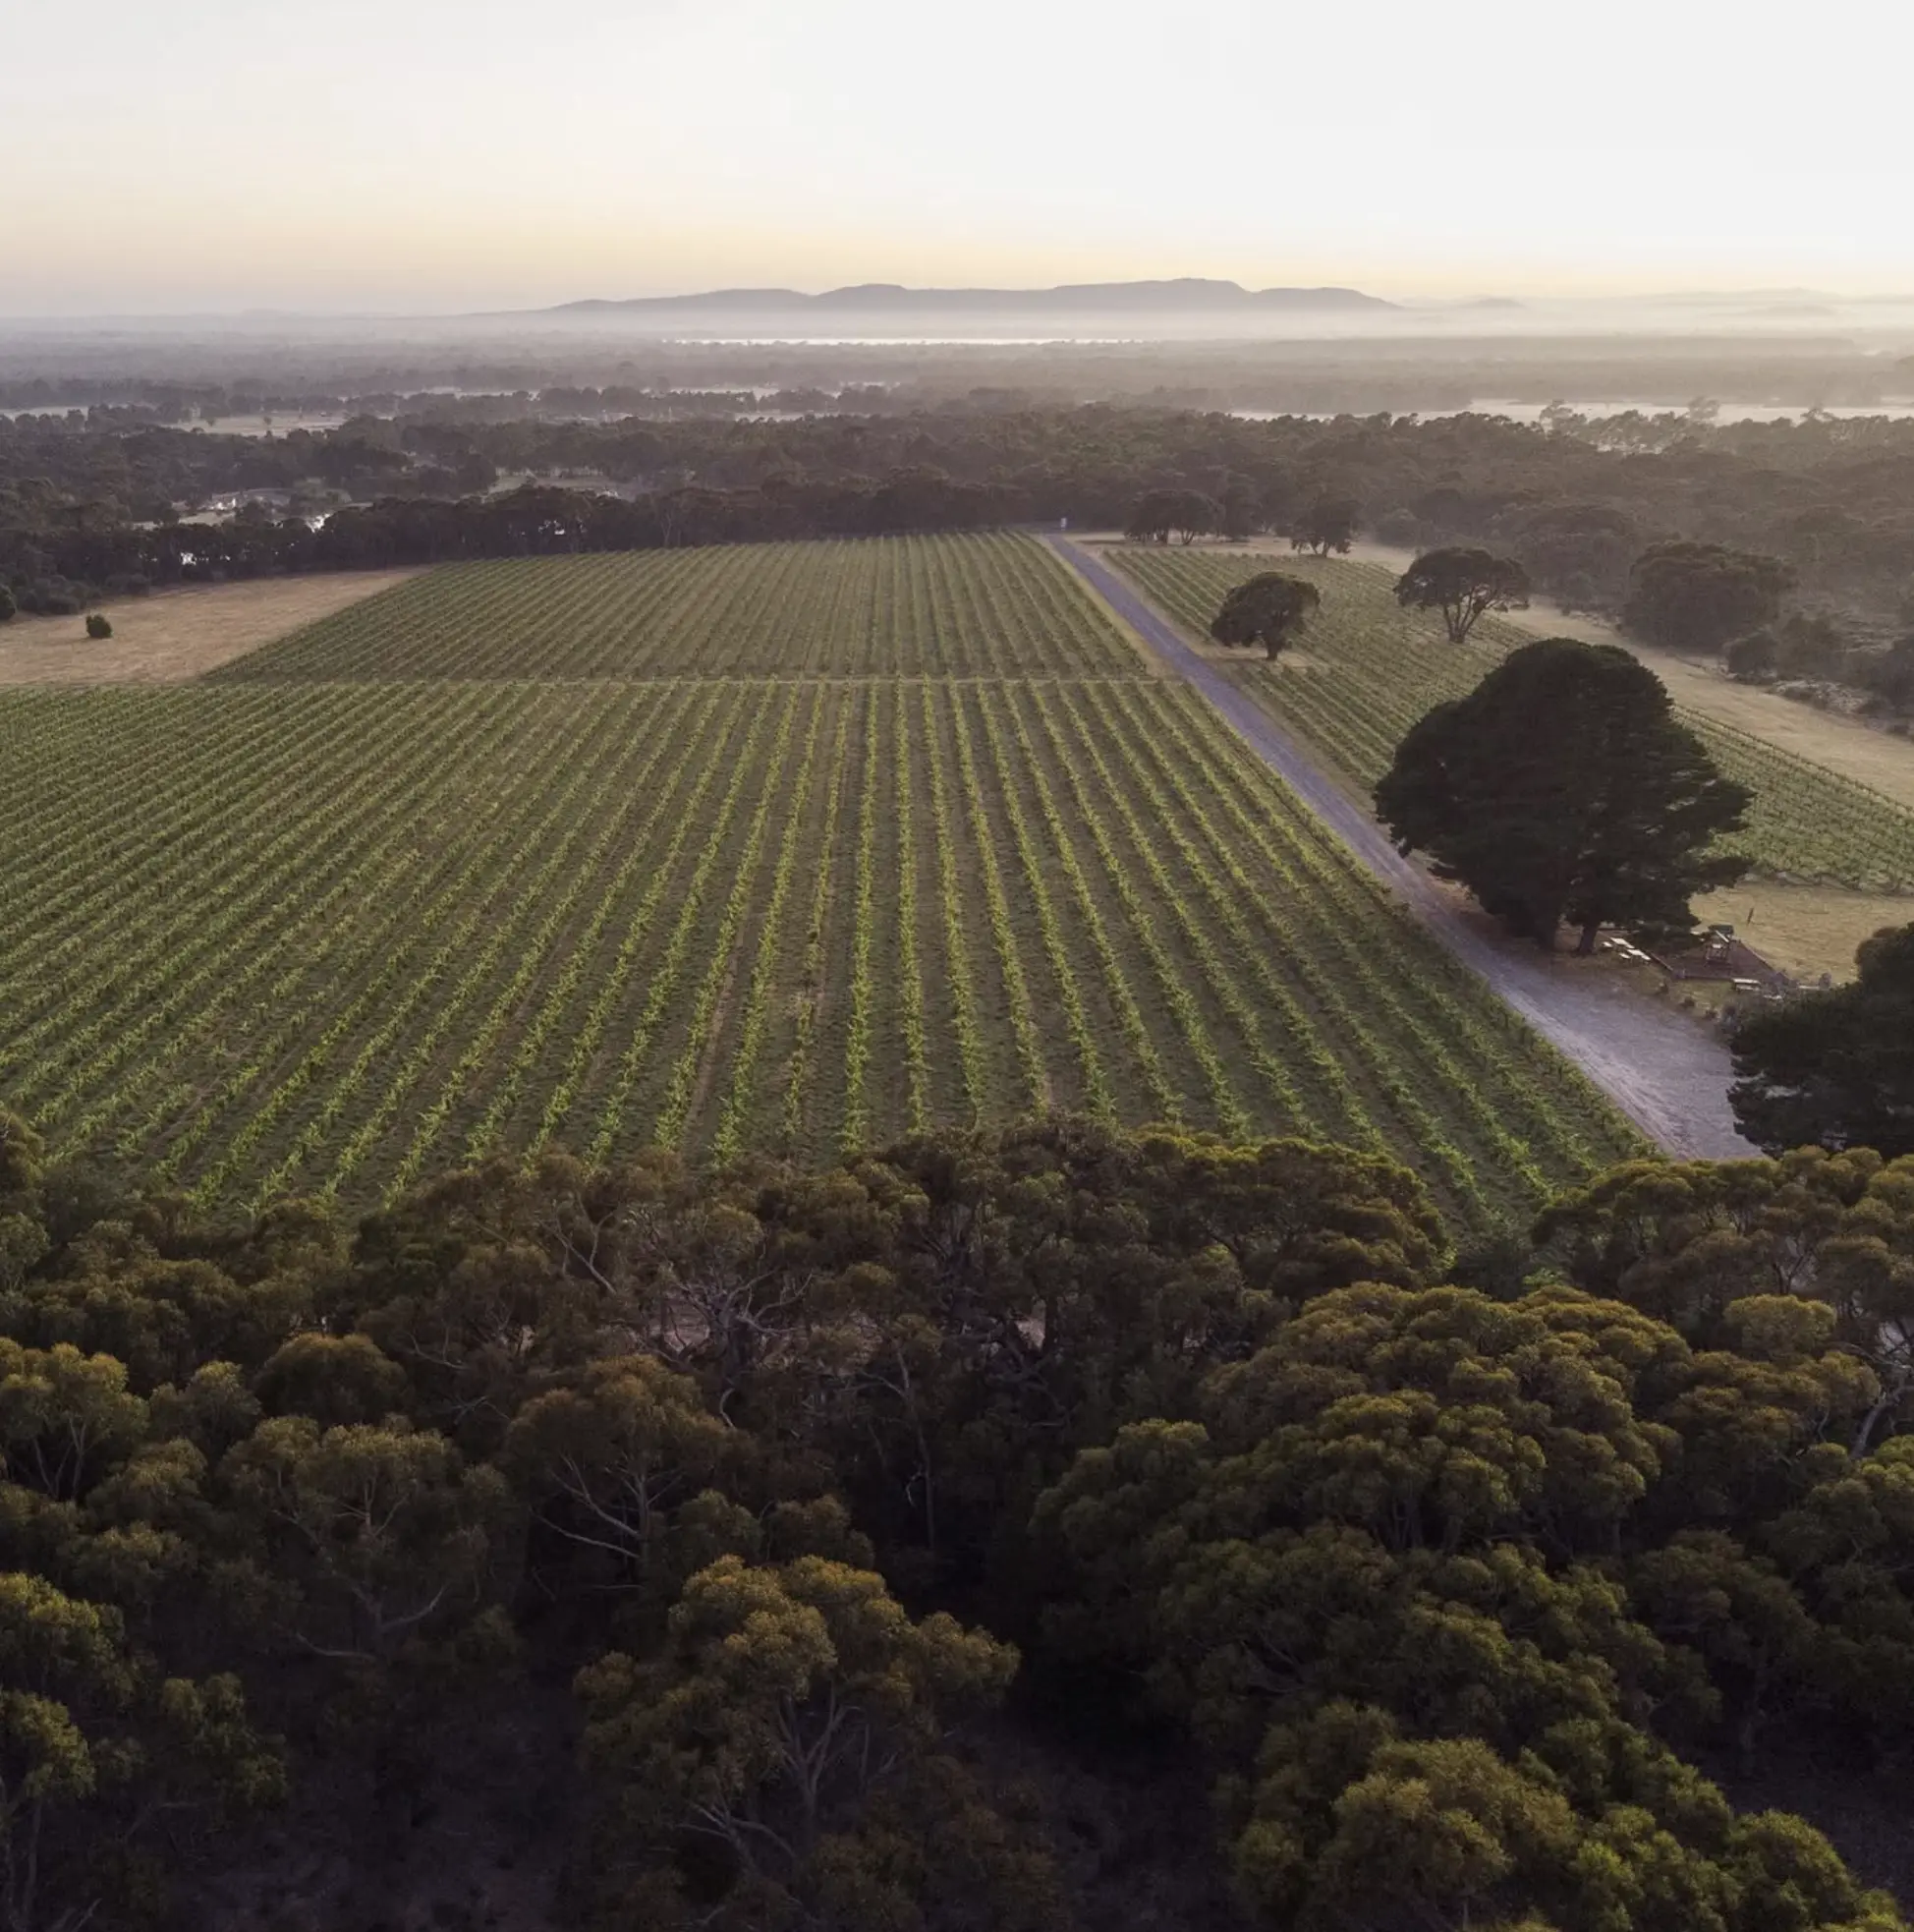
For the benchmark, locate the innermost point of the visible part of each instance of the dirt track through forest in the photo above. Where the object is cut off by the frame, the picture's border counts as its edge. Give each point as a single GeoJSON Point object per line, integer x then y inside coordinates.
{"type": "Point", "coordinates": [1664, 1071]}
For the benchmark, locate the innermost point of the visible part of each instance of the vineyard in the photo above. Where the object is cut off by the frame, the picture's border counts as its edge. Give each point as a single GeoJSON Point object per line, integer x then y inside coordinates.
{"type": "Point", "coordinates": [938, 606]}
{"type": "Point", "coordinates": [1367, 671]}
{"type": "Point", "coordinates": [330, 934]}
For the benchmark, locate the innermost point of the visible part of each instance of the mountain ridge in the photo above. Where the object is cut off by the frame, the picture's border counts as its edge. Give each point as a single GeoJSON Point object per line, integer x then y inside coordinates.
{"type": "Point", "coordinates": [1180, 295]}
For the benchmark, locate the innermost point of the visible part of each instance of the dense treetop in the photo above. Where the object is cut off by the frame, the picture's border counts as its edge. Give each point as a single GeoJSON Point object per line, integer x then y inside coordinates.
{"type": "Point", "coordinates": [1562, 787]}
{"type": "Point", "coordinates": [1698, 597]}
{"type": "Point", "coordinates": [814, 1486]}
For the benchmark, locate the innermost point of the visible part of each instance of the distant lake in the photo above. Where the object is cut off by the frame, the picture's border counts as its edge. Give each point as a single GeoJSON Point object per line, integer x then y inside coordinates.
{"type": "Point", "coordinates": [905, 341]}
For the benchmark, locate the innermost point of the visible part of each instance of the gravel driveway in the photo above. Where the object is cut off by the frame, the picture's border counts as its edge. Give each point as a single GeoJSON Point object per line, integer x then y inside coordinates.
{"type": "Point", "coordinates": [1668, 1074]}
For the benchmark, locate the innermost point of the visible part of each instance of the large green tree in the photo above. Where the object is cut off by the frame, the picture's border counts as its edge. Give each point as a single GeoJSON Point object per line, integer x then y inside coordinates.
{"type": "Point", "coordinates": [100, 1757]}
{"type": "Point", "coordinates": [1327, 523]}
{"type": "Point", "coordinates": [793, 1724]}
{"type": "Point", "coordinates": [1563, 789]}
{"type": "Point", "coordinates": [1463, 585]}
{"type": "Point", "coordinates": [1698, 597]}
{"type": "Point", "coordinates": [1184, 514]}
{"type": "Point", "coordinates": [1267, 609]}
{"type": "Point", "coordinates": [1836, 1067]}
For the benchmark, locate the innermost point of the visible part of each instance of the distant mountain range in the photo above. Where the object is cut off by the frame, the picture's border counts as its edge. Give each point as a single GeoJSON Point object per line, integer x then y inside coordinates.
{"type": "Point", "coordinates": [1187, 295]}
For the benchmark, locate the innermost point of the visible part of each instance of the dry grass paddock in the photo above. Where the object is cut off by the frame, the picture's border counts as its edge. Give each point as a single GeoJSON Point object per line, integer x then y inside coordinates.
{"type": "Point", "coordinates": [1804, 930]}
{"type": "Point", "coordinates": [176, 634]}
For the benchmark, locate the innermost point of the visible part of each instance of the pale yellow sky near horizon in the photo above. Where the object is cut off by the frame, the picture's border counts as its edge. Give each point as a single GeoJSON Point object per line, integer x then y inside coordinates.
{"type": "Point", "coordinates": [423, 157]}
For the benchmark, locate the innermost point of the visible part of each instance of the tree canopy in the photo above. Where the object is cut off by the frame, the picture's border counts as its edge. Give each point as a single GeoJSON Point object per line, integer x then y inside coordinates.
{"type": "Point", "coordinates": [1184, 514]}
{"type": "Point", "coordinates": [1563, 789]}
{"type": "Point", "coordinates": [807, 1548]}
{"type": "Point", "coordinates": [1325, 524]}
{"type": "Point", "coordinates": [1268, 609]}
{"type": "Point", "coordinates": [1836, 1068]}
{"type": "Point", "coordinates": [1754, 659]}
{"type": "Point", "coordinates": [1463, 585]}
{"type": "Point", "coordinates": [1700, 597]}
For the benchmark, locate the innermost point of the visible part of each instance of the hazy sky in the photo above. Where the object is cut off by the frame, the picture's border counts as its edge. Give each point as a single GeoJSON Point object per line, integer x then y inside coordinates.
{"type": "Point", "coordinates": [444, 154]}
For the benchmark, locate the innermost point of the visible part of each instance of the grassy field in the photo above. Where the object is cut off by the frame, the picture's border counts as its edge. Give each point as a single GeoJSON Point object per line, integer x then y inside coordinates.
{"type": "Point", "coordinates": [1368, 671]}
{"type": "Point", "coordinates": [329, 934]}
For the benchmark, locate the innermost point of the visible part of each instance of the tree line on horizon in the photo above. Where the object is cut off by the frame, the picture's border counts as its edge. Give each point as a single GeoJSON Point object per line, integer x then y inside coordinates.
{"type": "Point", "coordinates": [1830, 506]}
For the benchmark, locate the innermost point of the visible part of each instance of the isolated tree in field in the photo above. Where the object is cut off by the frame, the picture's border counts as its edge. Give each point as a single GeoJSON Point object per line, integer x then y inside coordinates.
{"type": "Point", "coordinates": [1267, 610]}
{"type": "Point", "coordinates": [1195, 514]}
{"type": "Point", "coordinates": [1836, 1067]}
{"type": "Point", "coordinates": [97, 626]}
{"type": "Point", "coordinates": [1462, 585]}
{"type": "Point", "coordinates": [1184, 514]}
{"type": "Point", "coordinates": [1328, 523]}
{"type": "Point", "coordinates": [1562, 788]}
{"type": "Point", "coordinates": [1698, 597]}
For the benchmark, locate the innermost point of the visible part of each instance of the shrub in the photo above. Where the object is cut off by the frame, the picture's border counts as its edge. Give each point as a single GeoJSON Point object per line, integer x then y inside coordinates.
{"type": "Point", "coordinates": [52, 596]}
{"type": "Point", "coordinates": [1890, 675]}
{"type": "Point", "coordinates": [1754, 657]}
{"type": "Point", "coordinates": [97, 626]}
{"type": "Point", "coordinates": [1811, 647]}
{"type": "Point", "coordinates": [8, 607]}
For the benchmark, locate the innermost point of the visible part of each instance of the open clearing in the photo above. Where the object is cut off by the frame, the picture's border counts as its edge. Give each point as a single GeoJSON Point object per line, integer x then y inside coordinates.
{"type": "Point", "coordinates": [1804, 930]}
{"type": "Point", "coordinates": [179, 633]}
{"type": "Point", "coordinates": [329, 934]}
{"type": "Point", "coordinates": [1373, 669]}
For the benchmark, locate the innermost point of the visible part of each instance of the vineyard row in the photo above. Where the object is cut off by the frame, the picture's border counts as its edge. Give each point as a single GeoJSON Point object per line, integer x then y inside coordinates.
{"type": "Point", "coordinates": [989, 605]}
{"type": "Point", "coordinates": [283, 939]}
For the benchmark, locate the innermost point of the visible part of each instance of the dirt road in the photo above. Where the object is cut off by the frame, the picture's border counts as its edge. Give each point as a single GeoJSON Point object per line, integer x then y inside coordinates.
{"type": "Point", "coordinates": [1668, 1074]}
